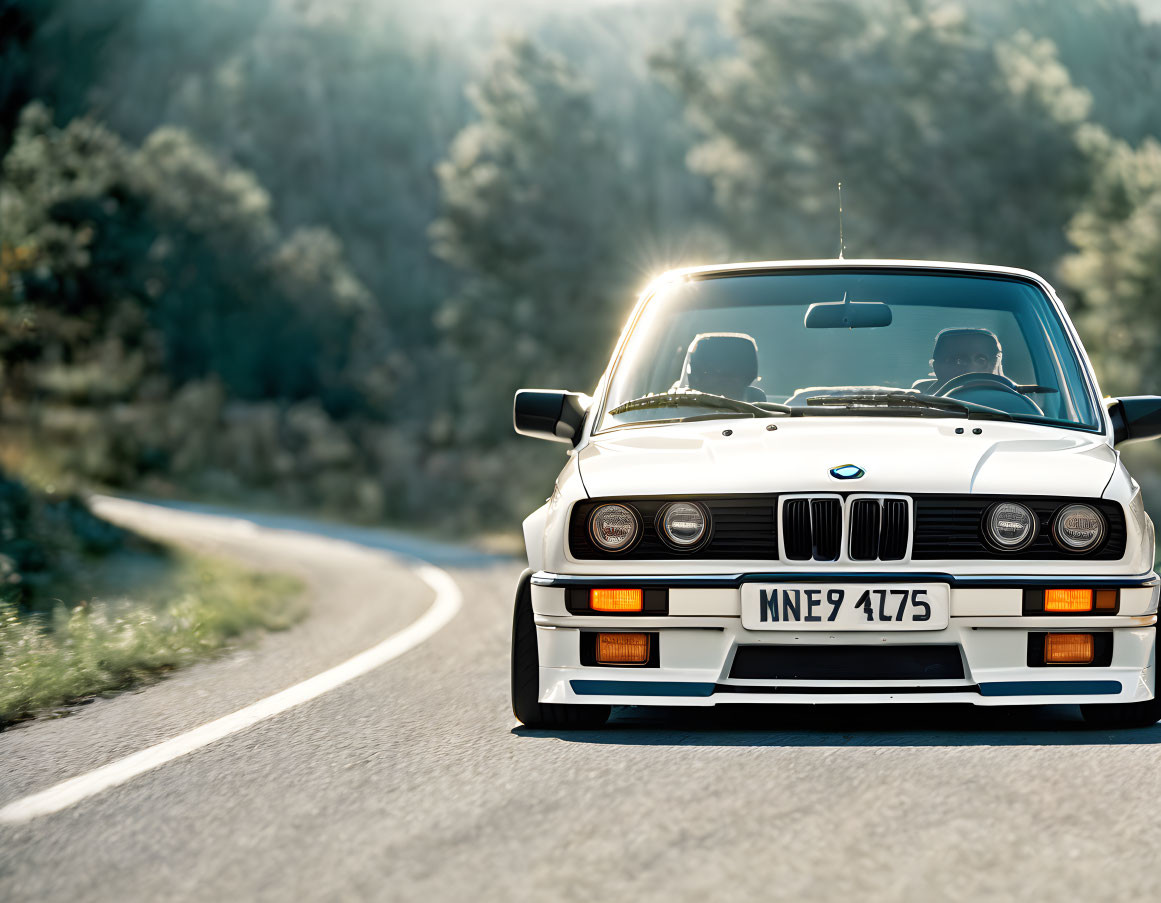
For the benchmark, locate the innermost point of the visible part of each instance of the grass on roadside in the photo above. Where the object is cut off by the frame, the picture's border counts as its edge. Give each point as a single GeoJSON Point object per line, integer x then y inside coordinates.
{"type": "Point", "coordinates": [111, 644]}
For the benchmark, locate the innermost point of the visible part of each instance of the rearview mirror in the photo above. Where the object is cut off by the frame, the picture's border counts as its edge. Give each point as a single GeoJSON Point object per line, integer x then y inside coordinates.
{"type": "Point", "coordinates": [552, 414]}
{"type": "Point", "coordinates": [1135, 417]}
{"type": "Point", "coordinates": [846, 314]}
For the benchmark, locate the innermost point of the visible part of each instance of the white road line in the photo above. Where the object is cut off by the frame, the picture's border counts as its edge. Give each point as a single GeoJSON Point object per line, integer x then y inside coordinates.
{"type": "Point", "coordinates": [443, 609]}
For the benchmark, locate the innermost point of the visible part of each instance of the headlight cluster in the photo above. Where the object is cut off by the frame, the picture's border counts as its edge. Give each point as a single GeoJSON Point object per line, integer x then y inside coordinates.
{"type": "Point", "coordinates": [1011, 526]}
{"type": "Point", "coordinates": [617, 528]}
{"type": "Point", "coordinates": [614, 528]}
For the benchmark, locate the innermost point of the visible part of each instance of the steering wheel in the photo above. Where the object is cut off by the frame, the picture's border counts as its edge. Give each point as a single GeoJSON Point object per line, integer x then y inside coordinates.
{"type": "Point", "coordinates": [993, 382]}
{"type": "Point", "coordinates": [970, 380]}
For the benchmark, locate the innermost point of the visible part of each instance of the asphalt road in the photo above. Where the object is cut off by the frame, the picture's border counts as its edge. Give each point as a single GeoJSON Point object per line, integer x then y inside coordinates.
{"type": "Point", "coordinates": [413, 782]}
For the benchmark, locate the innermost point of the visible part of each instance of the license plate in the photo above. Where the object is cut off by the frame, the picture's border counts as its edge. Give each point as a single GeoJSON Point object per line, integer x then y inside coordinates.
{"type": "Point", "coordinates": [845, 606]}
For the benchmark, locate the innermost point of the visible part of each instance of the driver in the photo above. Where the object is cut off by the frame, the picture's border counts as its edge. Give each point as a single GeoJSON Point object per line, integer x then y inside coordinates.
{"type": "Point", "coordinates": [962, 350]}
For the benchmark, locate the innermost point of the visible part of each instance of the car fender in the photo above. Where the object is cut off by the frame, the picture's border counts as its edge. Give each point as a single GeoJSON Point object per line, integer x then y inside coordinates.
{"type": "Point", "coordinates": [534, 537]}
{"type": "Point", "coordinates": [1140, 543]}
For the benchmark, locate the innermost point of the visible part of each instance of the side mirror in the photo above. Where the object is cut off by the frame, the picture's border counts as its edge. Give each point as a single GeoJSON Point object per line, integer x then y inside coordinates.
{"type": "Point", "coordinates": [1135, 417]}
{"type": "Point", "coordinates": [552, 414]}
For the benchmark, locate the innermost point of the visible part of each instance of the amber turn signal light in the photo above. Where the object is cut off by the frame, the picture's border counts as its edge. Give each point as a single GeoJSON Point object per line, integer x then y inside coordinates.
{"type": "Point", "coordinates": [622, 648]}
{"type": "Point", "coordinates": [616, 600]}
{"type": "Point", "coordinates": [1068, 600]}
{"type": "Point", "coordinates": [1068, 648]}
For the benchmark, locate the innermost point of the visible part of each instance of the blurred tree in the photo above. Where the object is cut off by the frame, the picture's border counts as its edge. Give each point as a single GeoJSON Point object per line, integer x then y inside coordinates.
{"type": "Point", "coordinates": [218, 262]}
{"type": "Point", "coordinates": [47, 540]}
{"type": "Point", "coordinates": [1108, 47]}
{"type": "Point", "coordinates": [534, 210]}
{"type": "Point", "coordinates": [341, 113]}
{"type": "Point", "coordinates": [608, 45]}
{"type": "Point", "coordinates": [16, 29]}
{"type": "Point", "coordinates": [1115, 270]}
{"type": "Point", "coordinates": [122, 61]}
{"type": "Point", "coordinates": [55, 189]}
{"type": "Point", "coordinates": [946, 145]}
{"type": "Point", "coordinates": [130, 273]}
{"type": "Point", "coordinates": [175, 258]}
{"type": "Point", "coordinates": [1114, 274]}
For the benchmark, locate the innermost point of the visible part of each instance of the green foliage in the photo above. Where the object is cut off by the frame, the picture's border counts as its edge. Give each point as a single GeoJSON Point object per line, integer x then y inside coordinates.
{"type": "Point", "coordinates": [537, 209]}
{"type": "Point", "coordinates": [49, 539]}
{"type": "Point", "coordinates": [168, 262]}
{"type": "Point", "coordinates": [308, 250]}
{"type": "Point", "coordinates": [532, 216]}
{"type": "Point", "coordinates": [1108, 47]}
{"type": "Point", "coordinates": [106, 645]}
{"type": "Point", "coordinates": [947, 145]}
{"type": "Point", "coordinates": [340, 110]}
{"type": "Point", "coordinates": [1115, 270]}
{"type": "Point", "coordinates": [139, 278]}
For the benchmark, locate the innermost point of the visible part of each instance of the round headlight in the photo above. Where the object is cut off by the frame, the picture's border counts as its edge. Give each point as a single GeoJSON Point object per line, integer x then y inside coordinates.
{"type": "Point", "coordinates": [613, 527]}
{"type": "Point", "coordinates": [683, 524]}
{"type": "Point", "coordinates": [1078, 528]}
{"type": "Point", "coordinates": [1011, 526]}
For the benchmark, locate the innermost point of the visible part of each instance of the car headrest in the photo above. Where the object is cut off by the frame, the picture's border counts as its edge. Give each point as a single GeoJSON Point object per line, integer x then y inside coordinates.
{"type": "Point", "coordinates": [723, 363]}
{"type": "Point", "coordinates": [957, 332]}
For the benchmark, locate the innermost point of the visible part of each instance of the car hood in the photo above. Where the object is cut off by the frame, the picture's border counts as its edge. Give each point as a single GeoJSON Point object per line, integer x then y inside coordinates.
{"type": "Point", "coordinates": [905, 455]}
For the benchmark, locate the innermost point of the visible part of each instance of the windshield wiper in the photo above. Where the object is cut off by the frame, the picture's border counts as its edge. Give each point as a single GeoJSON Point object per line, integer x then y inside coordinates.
{"type": "Point", "coordinates": [700, 399]}
{"type": "Point", "coordinates": [910, 400]}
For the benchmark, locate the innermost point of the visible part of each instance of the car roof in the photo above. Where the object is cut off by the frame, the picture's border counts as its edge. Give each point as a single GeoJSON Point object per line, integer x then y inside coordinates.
{"type": "Point", "coordinates": [725, 269]}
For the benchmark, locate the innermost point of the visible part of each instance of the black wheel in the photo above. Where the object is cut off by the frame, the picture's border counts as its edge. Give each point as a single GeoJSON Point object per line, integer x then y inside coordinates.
{"type": "Point", "coordinates": [1123, 714]}
{"type": "Point", "coordinates": [526, 677]}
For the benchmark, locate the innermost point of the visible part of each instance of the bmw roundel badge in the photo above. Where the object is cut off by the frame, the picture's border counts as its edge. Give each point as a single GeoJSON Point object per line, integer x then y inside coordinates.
{"type": "Point", "coordinates": [847, 472]}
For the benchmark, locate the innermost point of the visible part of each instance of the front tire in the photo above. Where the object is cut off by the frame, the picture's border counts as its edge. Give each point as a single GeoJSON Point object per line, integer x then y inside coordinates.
{"type": "Point", "coordinates": [526, 705]}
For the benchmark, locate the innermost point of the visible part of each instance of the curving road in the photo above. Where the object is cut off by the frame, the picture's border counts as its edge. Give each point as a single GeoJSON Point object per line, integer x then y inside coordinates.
{"type": "Point", "coordinates": [411, 781]}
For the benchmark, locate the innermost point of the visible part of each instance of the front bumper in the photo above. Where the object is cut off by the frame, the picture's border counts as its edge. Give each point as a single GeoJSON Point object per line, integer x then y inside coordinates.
{"type": "Point", "coordinates": [699, 639]}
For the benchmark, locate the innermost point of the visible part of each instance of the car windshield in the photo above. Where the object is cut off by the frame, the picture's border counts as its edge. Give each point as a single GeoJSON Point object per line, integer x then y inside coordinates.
{"type": "Point", "coordinates": [849, 342]}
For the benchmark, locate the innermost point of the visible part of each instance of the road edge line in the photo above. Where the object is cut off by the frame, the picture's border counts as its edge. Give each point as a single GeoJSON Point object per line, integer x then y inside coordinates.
{"type": "Point", "coordinates": [448, 600]}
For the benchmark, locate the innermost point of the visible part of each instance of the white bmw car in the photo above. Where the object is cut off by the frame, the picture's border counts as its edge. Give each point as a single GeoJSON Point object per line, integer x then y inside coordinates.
{"type": "Point", "coordinates": [842, 481]}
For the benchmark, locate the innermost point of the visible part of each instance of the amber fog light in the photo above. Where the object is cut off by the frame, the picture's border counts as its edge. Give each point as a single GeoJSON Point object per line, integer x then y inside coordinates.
{"type": "Point", "coordinates": [1068, 648]}
{"type": "Point", "coordinates": [616, 599]}
{"type": "Point", "coordinates": [622, 648]}
{"type": "Point", "coordinates": [1068, 600]}
{"type": "Point", "coordinates": [1106, 600]}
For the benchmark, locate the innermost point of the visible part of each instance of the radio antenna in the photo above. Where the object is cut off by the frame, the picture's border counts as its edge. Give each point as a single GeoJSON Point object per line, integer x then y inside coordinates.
{"type": "Point", "coordinates": [842, 247]}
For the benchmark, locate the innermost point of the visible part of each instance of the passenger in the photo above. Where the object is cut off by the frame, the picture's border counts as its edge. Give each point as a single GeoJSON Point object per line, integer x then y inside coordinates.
{"type": "Point", "coordinates": [962, 350]}
{"type": "Point", "coordinates": [721, 363]}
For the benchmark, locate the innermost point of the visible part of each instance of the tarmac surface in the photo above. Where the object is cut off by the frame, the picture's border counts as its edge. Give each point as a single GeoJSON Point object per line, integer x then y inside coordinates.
{"type": "Point", "coordinates": [414, 782]}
